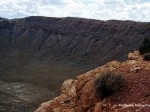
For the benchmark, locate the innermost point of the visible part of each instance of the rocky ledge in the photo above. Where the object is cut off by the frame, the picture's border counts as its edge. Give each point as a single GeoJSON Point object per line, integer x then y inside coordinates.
{"type": "Point", "coordinates": [79, 95]}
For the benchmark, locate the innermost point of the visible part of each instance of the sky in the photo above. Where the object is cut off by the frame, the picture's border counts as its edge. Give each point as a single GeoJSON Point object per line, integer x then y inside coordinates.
{"type": "Point", "coordinates": [136, 10]}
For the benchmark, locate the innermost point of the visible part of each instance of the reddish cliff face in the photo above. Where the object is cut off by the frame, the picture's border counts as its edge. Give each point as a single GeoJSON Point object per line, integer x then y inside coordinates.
{"type": "Point", "coordinates": [79, 95]}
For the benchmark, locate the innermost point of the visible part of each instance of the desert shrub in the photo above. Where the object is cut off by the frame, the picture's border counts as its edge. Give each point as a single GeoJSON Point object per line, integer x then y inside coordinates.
{"type": "Point", "coordinates": [145, 46]}
{"type": "Point", "coordinates": [147, 56]}
{"type": "Point", "coordinates": [108, 83]}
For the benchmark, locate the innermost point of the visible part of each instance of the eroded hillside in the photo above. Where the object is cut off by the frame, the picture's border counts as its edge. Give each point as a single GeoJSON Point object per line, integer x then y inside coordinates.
{"type": "Point", "coordinates": [70, 40]}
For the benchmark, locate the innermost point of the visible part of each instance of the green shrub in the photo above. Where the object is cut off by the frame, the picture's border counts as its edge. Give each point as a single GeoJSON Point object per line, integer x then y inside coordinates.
{"type": "Point", "coordinates": [145, 46]}
{"type": "Point", "coordinates": [147, 57]}
{"type": "Point", "coordinates": [108, 83]}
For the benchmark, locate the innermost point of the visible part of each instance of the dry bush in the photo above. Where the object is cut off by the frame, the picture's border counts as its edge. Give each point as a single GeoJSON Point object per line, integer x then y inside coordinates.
{"type": "Point", "coordinates": [109, 83]}
{"type": "Point", "coordinates": [145, 46]}
{"type": "Point", "coordinates": [147, 57]}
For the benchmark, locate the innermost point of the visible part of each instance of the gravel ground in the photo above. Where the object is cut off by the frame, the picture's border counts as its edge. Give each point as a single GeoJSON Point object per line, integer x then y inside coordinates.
{"type": "Point", "coordinates": [22, 97]}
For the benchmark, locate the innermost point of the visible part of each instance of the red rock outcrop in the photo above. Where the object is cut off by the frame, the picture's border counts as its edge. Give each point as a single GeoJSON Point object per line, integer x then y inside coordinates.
{"type": "Point", "coordinates": [79, 95]}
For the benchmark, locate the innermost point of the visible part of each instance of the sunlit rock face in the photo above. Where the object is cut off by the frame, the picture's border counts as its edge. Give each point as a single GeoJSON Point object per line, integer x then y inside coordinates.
{"type": "Point", "coordinates": [133, 94]}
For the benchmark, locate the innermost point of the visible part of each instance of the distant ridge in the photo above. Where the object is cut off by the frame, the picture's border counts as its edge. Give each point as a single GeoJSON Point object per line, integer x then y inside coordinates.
{"type": "Point", "coordinates": [2, 18]}
{"type": "Point", "coordinates": [76, 40]}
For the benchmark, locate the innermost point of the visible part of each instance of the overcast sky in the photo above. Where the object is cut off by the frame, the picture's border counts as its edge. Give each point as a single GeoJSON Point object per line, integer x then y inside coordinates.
{"type": "Point", "coordinates": [137, 10]}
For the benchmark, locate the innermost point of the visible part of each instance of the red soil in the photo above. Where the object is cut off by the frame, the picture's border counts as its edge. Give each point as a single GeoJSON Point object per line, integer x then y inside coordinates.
{"type": "Point", "coordinates": [135, 97]}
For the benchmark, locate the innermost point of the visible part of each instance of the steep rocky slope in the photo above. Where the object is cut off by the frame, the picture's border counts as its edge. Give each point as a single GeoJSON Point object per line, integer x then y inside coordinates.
{"type": "Point", "coordinates": [71, 40]}
{"type": "Point", "coordinates": [79, 95]}
{"type": "Point", "coordinates": [42, 46]}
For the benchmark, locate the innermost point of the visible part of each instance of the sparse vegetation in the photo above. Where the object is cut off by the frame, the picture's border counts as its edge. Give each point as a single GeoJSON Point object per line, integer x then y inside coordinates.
{"type": "Point", "coordinates": [145, 46]}
{"type": "Point", "coordinates": [109, 83]}
{"type": "Point", "coordinates": [147, 56]}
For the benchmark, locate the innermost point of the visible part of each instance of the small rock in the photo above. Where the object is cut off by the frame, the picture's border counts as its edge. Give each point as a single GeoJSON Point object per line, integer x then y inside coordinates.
{"type": "Point", "coordinates": [56, 110]}
{"type": "Point", "coordinates": [133, 56]}
{"type": "Point", "coordinates": [66, 101]}
{"type": "Point", "coordinates": [98, 107]}
{"type": "Point", "coordinates": [131, 62]}
{"type": "Point", "coordinates": [135, 69]}
{"type": "Point", "coordinates": [68, 87]}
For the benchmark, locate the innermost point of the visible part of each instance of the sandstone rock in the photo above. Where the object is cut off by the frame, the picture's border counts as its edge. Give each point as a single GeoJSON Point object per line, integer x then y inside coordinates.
{"type": "Point", "coordinates": [131, 62]}
{"type": "Point", "coordinates": [68, 88]}
{"type": "Point", "coordinates": [98, 107]}
{"type": "Point", "coordinates": [57, 110]}
{"type": "Point", "coordinates": [133, 56]}
{"type": "Point", "coordinates": [43, 107]}
{"type": "Point", "coordinates": [135, 69]}
{"type": "Point", "coordinates": [79, 95]}
{"type": "Point", "coordinates": [114, 64]}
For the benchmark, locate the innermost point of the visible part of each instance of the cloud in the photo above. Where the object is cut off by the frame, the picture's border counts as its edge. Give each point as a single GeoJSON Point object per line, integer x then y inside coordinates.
{"type": "Point", "coordinates": [137, 10]}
